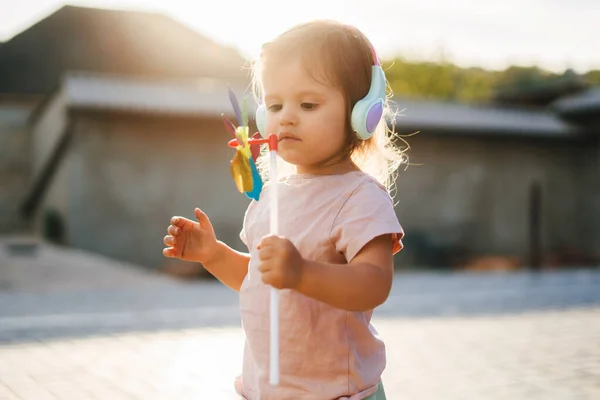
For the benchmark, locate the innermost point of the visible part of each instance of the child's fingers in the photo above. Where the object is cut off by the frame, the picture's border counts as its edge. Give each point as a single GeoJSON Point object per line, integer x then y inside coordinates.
{"type": "Point", "coordinates": [267, 278]}
{"type": "Point", "coordinates": [268, 240]}
{"type": "Point", "coordinates": [168, 252]}
{"type": "Point", "coordinates": [177, 221]}
{"type": "Point", "coordinates": [202, 218]}
{"type": "Point", "coordinates": [169, 240]}
{"type": "Point", "coordinates": [265, 253]}
{"type": "Point", "coordinates": [173, 230]}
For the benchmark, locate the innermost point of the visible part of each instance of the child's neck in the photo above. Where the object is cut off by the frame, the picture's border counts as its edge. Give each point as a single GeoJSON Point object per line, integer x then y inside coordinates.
{"type": "Point", "coordinates": [333, 169]}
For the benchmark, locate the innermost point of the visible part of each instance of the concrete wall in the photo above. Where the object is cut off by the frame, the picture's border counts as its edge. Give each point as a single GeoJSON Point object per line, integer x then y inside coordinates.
{"type": "Point", "coordinates": [57, 196]}
{"type": "Point", "coordinates": [589, 212]}
{"type": "Point", "coordinates": [470, 196]}
{"type": "Point", "coordinates": [48, 130]}
{"type": "Point", "coordinates": [126, 176]}
{"type": "Point", "coordinates": [15, 164]}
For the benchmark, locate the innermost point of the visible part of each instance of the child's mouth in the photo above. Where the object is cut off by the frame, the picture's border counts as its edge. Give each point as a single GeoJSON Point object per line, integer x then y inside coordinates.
{"type": "Point", "coordinates": [287, 138]}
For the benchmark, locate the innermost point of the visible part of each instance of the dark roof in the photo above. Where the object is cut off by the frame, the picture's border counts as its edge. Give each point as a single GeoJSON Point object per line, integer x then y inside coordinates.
{"type": "Point", "coordinates": [479, 119]}
{"type": "Point", "coordinates": [584, 104]}
{"type": "Point", "coordinates": [113, 42]}
{"type": "Point", "coordinates": [158, 97]}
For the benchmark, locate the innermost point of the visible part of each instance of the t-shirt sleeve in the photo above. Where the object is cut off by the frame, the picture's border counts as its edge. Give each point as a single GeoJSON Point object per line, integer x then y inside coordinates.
{"type": "Point", "coordinates": [247, 216]}
{"type": "Point", "coordinates": [248, 231]}
{"type": "Point", "coordinates": [366, 214]}
{"type": "Point", "coordinates": [243, 236]}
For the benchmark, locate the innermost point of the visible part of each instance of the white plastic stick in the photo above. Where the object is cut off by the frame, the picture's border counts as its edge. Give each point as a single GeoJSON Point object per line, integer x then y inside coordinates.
{"type": "Point", "coordinates": [274, 371]}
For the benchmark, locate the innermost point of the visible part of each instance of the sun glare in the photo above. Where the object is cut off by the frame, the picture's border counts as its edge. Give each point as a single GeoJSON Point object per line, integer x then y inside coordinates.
{"type": "Point", "coordinates": [250, 24]}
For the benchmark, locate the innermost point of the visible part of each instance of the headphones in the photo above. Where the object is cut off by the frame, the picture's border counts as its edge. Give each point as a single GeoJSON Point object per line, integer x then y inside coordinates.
{"type": "Point", "coordinates": [366, 113]}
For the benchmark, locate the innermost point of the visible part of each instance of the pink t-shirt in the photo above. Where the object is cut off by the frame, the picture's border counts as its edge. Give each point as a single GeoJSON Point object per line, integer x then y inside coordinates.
{"type": "Point", "coordinates": [325, 352]}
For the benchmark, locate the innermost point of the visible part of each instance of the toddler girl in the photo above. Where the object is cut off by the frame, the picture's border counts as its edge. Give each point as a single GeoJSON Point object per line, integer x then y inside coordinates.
{"type": "Point", "coordinates": [322, 92]}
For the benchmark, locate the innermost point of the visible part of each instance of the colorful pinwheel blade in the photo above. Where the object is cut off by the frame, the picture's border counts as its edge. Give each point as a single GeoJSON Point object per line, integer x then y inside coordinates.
{"type": "Point", "coordinates": [241, 172]}
{"type": "Point", "coordinates": [257, 181]}
{"type": "Point", "coordinates": [236, 107]}
{"type": "Point", "coordinates": [231, 129]}
{"type": "Point", "coordinates": [229, 126]}
{"type": "Point", "coordinates": [244, 112]}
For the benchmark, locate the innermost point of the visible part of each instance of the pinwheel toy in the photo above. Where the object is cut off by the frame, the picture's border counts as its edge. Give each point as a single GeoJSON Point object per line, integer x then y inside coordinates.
{"type": "Point", "coordinates": [247, 180]}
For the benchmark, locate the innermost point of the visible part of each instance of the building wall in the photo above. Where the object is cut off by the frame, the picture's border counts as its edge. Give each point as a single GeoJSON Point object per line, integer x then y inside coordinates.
{"type": "Point", "coordinates": [15, 164]}
{"type": "Point", "coordinates": [48, 130]}
{"type": "Point", "coordinates": [56, 199]}
{"type": "Point", "coordinates": [589, 212]}
{"type": "Point", "coordinates": [470, 196]}
{"type": "Point", "coordinates": [127, 176]}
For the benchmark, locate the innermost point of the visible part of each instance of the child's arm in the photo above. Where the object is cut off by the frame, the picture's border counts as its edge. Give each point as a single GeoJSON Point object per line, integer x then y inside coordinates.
{"type": "Point", "coordinates": [360, 285]}
{"type": "Point", "coordinates": [228, 265]}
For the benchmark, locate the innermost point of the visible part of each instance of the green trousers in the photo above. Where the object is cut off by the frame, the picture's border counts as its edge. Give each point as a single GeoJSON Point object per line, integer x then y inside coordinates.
{"type": "Point", "coordinates": [380, 395]}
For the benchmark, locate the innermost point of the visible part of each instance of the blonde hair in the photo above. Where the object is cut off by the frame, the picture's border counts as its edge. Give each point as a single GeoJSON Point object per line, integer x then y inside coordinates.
{"type": "Point", "coordinates": [340, 55]}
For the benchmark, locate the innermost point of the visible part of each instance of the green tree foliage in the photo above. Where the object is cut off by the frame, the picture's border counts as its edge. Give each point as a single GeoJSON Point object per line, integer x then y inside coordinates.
{"type": "Point", "coordinates": [420, 79]}
{"type": "Point", "coordinates": [445, 81]}
{"type": "Point", "coordinates": [593, 77]}
{"type": "Point", "coordinates": [442, 80]}
{"type": "Point", "coordinates": [523, 77]}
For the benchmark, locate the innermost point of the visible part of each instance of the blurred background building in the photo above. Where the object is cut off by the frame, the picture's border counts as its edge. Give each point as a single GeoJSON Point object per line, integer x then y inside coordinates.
{"type": "Point", "coordinates": [110, 123]}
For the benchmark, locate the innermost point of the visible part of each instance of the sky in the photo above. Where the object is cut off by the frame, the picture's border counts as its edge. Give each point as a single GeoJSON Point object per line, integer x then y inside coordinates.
{"type": "Point", "coordinates": [552, 34]}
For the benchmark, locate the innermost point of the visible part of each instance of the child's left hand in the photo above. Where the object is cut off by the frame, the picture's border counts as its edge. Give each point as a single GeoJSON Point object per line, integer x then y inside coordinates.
{"type": "Point", "coordinates": [281, 263]}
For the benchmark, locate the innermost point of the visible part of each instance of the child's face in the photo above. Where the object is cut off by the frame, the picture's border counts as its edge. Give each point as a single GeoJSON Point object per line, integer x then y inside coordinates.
{"type": "Point", "coordinates": [308, 117]}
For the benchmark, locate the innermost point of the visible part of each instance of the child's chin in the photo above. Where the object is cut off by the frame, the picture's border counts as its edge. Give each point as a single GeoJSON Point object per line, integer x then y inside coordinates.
{"type": "Point", "coordinates": [291, 157]}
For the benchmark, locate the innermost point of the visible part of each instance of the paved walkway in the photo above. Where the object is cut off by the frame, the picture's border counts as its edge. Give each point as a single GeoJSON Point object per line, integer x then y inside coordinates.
{"type": "Point", "coordinates": [112, 332]}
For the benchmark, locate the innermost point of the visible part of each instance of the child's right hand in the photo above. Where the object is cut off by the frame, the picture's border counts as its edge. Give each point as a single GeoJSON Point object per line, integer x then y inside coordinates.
{"type": "Point", "coordinates": [190, 240]}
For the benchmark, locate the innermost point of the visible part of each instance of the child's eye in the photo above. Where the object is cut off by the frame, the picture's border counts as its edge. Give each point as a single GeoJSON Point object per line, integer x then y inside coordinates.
{"type": "Point", "coordinates": [274, 107]}
{"type": "Point", "coordinates": [308, 106]}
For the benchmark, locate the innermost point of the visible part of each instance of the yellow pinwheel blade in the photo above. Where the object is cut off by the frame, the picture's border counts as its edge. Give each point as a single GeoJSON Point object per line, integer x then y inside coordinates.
{"type": "Point", "coordinates": [241, 172]}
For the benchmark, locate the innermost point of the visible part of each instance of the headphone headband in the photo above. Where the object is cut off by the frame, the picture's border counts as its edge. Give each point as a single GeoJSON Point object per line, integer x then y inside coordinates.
{"type": "Point", "coordinates": [357, 32]}
{"type": "Point", "coordinates": [375, 58]}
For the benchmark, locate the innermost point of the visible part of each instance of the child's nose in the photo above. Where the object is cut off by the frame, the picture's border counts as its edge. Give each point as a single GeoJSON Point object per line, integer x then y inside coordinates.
{"type": "Point", "coordinates": [287, 116]}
